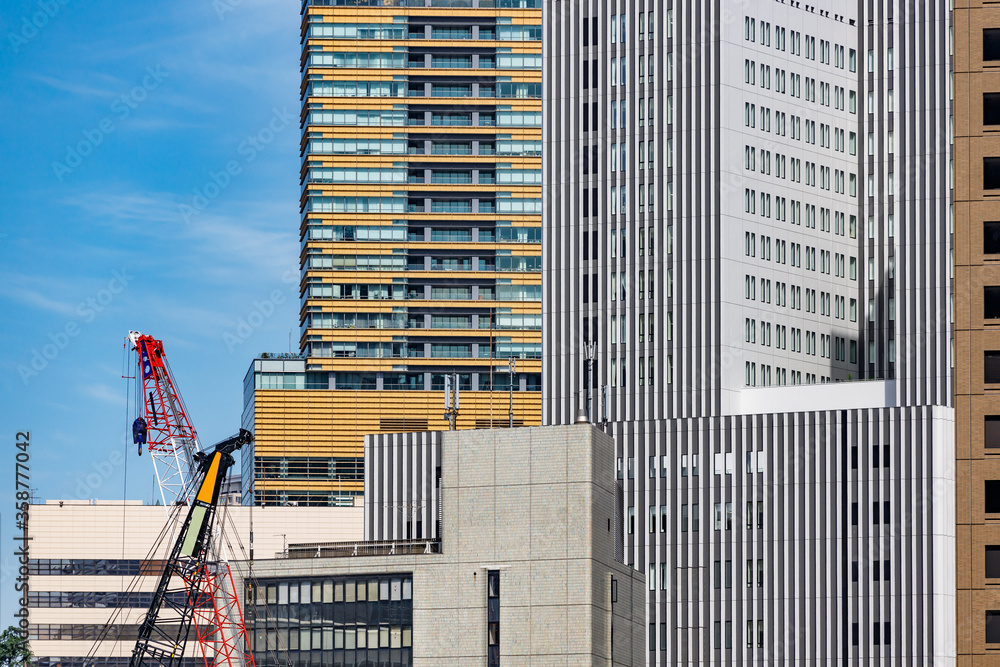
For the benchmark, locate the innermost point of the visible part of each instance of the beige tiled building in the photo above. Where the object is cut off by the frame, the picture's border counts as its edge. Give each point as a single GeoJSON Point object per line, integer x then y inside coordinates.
{"type": "Point", "coordinates": [93, 563]}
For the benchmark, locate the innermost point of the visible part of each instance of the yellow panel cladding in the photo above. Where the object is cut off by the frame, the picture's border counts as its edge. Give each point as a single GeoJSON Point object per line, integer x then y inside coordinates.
{"type": "Point", "coordinates": [299, 423]}
{"type": "Point", "coordinates": [207, 490]}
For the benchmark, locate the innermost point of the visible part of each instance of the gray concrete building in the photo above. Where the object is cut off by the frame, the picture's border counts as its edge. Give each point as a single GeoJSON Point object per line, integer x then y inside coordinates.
{"type": "Point", "coordinates": [747, 212]}
{"type": "Point", "coordinates": [488, 547]}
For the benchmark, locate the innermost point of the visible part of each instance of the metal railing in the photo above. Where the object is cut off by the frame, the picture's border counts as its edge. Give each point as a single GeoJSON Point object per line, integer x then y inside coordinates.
{"type": "Point", "coordinates": [352, 549]}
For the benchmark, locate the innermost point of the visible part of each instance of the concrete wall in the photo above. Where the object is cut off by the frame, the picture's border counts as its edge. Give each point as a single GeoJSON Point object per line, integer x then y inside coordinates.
{"type": "Point", "coordinates": [537, 504]}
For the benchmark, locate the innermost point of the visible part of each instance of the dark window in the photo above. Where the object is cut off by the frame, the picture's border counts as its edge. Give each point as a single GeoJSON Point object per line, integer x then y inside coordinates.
{"type": "Point", "coordinates": [594, 31]}
{"type": "Point", "coordinates": [991, 44]}
{"type": "Point", "coordinates": [854, 514]}
{"type": "Point", "coordinates": [875, 633]}
{"type": "Point", "coordinates": [991, 238]}
{"type": "Point", "coordinates": [586, 159]}
{"type": "Point", "coordinates": [586, 247]}
{"type": "Point", "coordinates": [594, 255]}
{"type": "Point", "coordinates": [991, 108]}
{"type": "Point", "coordinates": [992, 432]}
{"type": "Point", "coordinates": [993, 627]}
{"type": "Point", "coordinates": [875, 512]}
{"type": "Point", "coordinates": [586, 289]}
{"type": "Point", "coordinates": [885, 575]}
{"type": "Point", "coordinates": [586, 120]}
{"type": "Point", "coordinates": [885, 455]}
{"type": "Point", "coordinates": [992, 562]}
{"type": "Point", "coordinates": [594, 78]}
{"type": "Point", "coordinates": [991, 366]}
{"type": "Point", "coordinates": [854, 456]}
{"type": "Point", "coordinates": [991, 302]}
{"type": "Point", "coordinates": [854, 633]}
{"type": "Point", "coordinates": [493, 617]}
{"type": "Point", "coordinates": [586, 76]}
{"type": "Point", "coordinates": [586, 208]}
{"type": "Point", "coordinates": [594, 165]}
{"type": "Point", "coordinates": [586, 32]}
{"type": "Point", "coordinates": [874, 456]}
{"type": "Point", "coordinates": [991, 173]}
{"type": "Point", "coordinates": [854, 571]}
{"type": "Point", "coordinates": [992, 496]}
{"type": "Point", "coordinates": [875, 570]}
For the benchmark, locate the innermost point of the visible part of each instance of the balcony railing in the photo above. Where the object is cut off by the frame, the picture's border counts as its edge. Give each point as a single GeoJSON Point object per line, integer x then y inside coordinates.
{"type": "Point", "coordinates": [361, 548]}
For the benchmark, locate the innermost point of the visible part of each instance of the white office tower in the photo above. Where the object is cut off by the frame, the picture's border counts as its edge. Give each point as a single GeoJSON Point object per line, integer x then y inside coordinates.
{"type": "Point", "coordinates": [748, 215]}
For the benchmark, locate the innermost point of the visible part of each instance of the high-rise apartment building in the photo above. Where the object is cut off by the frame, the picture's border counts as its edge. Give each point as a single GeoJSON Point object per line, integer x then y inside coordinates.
{"type": "Point", "coordinates": [977, 344]}
{"type": "Point", "coordinates": [747, 215]}
{"type": "Point", "coordinates": [421, 233]}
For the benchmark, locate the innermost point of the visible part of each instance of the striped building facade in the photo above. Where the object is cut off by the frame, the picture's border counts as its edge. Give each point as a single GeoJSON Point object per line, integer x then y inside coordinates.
{"type": "Point", "coordinates": [747, 214]}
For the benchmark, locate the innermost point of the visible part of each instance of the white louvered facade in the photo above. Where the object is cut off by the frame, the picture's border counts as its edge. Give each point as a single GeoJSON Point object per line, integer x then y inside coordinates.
{"type": "Point", "coordinates": [787, 235]}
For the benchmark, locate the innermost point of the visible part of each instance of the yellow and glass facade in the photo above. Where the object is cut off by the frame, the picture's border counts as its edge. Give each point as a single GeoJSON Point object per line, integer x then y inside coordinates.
{"type": "Point", "coordinates": [420, 237]}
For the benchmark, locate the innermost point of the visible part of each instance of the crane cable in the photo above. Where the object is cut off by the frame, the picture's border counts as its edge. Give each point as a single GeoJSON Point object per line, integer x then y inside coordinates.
{"type": "Point", "coordinates": [251, 579]}
{"type": "Point", "coordinates": [131, 588]}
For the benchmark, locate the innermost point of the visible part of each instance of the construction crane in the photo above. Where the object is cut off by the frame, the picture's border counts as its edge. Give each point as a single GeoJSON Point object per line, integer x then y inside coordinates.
{"type": "Point", "coordinates": [164, 425]}
{"type": "Point", "coordinates": [196, 588]}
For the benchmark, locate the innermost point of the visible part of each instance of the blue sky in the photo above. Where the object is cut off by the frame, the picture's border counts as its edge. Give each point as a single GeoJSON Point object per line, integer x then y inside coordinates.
{"type": "Point", "coordinates": [149, 181]}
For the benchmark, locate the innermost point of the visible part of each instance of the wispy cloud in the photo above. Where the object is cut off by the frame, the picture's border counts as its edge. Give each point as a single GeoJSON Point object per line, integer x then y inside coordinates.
{"type": "Point", "coordinates": [77, 88]}
{"type": "Point", "coordinates": [252, 238]}
{"type": "Point", "coordinates": [37, 300]}
{"type": "Point", "coordinates": [104, 394]}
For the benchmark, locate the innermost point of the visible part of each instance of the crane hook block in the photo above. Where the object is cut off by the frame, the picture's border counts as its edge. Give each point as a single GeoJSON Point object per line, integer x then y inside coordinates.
{"type": "Point", "coordinates": [139, 433]}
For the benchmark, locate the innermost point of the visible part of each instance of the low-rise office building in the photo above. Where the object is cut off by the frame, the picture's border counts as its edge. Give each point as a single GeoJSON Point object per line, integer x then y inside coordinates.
{"type": "Point", "coordinates": [484, 547]}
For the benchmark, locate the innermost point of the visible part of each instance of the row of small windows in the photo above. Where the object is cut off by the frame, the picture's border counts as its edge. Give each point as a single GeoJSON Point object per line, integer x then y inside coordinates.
{"type": "Point", "coordinates": [722, 463]}
{"type": "Point", "coordinates": [418, 292]}
{"type": "Point", "coordinates": [760, 31]}
{"type": "Point", "coordinates": [643, 114]}
{"type": "Point", "coordinates": [318, 57]}
{"type": "Point", "coordinates": [620, 67]}
{"type": "Point", "coordinates": [319, 115]}
{"type": "Point", "coordinates": [500, 89]}
{"type": "Point", "coordinates": [837, 179]}
{"type": "Point", "coordinates": [828, 261]}
{"type": "Point", "coordinates": [780, 161]}
{"type": "Point", "coordinates": [645, 151]}
{"type": "Point", "coordinates": [780, 377]}
{"type": "Point", "coordinates": [828, 305]}
{"type": "Point", "coordinates": [379, 31]}
{"type": "Point", "coordinates": [792, 84]}
{"type": "Point", "coordinates": [641, 328]}
{"type": "Point", "coordinates": [401, 230]}
{"type": "Point", "coordinates": [659, 521]}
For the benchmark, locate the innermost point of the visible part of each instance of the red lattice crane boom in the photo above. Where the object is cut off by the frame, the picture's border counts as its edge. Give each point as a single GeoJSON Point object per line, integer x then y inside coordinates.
{"type": "Point", "coordinates": [197, 585]}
